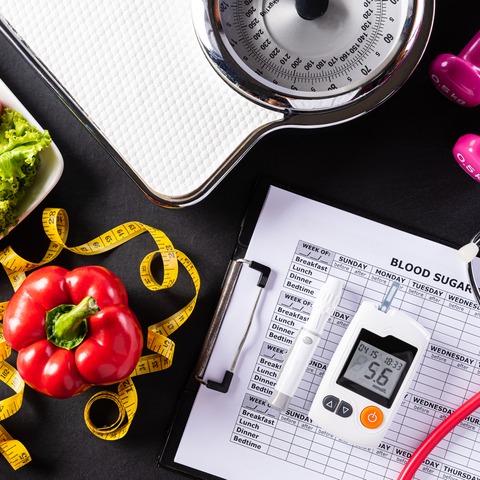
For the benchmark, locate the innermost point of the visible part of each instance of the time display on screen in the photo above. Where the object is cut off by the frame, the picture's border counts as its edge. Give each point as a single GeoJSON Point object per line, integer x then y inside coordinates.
{"type": "Point", "coordinates": [376, 366]}
{"type": "Point", "coordinates": [375, 369]}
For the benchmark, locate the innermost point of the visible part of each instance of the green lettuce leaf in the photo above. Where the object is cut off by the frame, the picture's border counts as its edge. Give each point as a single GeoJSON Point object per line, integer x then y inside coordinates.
{"type": "Point", "coordinates": [20, 145]}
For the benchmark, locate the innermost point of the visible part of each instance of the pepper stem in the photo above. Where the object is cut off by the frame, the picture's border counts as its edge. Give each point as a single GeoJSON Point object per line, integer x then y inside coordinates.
{"type": "Point", "coordinates": [66, 325]}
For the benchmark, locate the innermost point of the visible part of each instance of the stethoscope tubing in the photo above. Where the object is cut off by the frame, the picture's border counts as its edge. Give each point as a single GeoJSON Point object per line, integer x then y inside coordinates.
{"type": "Point", "coordinates": [447, 425]}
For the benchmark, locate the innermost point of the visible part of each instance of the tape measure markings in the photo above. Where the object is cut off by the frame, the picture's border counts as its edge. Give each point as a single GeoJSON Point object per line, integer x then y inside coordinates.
{"type": "Point", "coordinates": [126, 401]}
{"type": "Point", "coordinates": [146, 364]}
{"type": "Point", "coordinates": [56, 226]}
{"type": "Point", "coordinates": [14, 451]}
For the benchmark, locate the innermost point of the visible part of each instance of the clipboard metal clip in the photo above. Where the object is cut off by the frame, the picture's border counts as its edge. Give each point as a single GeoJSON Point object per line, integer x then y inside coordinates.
{"type": "Point", "coordinates": [231, 278]}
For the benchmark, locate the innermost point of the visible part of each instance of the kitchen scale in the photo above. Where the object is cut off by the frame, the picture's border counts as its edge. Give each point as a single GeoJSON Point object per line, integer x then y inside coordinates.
{"type": "Point", "coordinates": [212, 87]}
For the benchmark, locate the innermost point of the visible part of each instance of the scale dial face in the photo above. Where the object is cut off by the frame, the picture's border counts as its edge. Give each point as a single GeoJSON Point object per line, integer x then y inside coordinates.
{"type": "Point", "coordinates": [267, 50]}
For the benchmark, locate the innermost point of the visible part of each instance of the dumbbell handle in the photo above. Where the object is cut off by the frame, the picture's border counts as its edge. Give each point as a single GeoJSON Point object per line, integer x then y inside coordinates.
{"type": "Point", "coordinates": [471, 52]}
{"type": "Point", "coordinates": [458, 77]}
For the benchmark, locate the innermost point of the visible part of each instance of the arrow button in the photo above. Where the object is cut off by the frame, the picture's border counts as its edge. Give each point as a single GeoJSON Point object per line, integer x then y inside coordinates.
{"type": "Point", "coordinates": [344, 409]}
{"type": "Point", "coordinates": [330, 402]}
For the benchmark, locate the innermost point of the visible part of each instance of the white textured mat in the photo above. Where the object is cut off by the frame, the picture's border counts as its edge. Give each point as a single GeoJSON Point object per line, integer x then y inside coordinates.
{"type": "Point", "coordinates": [137, 71]}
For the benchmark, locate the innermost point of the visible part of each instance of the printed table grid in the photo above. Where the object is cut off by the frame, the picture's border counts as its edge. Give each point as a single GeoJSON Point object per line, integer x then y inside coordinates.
{"type": "Point", "coordinates": [450, 372]}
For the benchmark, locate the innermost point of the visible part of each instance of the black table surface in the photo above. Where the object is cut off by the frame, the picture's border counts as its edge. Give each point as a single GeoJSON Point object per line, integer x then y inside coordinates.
{"type": "Point", "coordinates": [395, 164]}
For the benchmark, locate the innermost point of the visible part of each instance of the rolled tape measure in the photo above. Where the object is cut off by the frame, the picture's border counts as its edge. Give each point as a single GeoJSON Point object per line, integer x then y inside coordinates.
{"type": "Point", "coordinates": [14, 451]}
{"type": "Point", "coordinates": [56, 226]}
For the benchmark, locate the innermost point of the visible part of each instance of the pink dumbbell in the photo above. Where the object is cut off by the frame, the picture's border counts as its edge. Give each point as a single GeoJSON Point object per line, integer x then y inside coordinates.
{"type": "Point", "coordinates": [458, 77]}
{"type": "Point", "coordinates": [467, 153]}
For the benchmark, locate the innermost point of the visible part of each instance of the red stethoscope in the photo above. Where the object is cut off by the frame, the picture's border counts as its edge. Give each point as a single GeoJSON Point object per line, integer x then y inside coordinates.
{"type": "Point", "coordinates": [467, 254]}
{"type": "Point", "coordinates": [440, 432]}
{"type": "Point", "coordinates": [458, 78]}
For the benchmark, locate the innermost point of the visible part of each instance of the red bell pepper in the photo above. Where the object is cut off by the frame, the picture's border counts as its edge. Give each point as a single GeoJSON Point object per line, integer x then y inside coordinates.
{"type": "Point", "coordinates": [72, 329]}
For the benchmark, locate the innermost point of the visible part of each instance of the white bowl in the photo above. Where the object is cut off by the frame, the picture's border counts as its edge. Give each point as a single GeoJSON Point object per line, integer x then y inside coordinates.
{"type": "Point", "coordinates": [51, 165]}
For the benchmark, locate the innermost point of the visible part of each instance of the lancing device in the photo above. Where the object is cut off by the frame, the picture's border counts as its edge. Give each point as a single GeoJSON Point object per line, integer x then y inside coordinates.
{"type": "Point", "coordinates": [301, 352]}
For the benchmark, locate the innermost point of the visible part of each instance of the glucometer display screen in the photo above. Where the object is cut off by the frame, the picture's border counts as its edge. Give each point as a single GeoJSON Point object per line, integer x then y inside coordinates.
{"type": "Point", "coordinates": [376, 367]}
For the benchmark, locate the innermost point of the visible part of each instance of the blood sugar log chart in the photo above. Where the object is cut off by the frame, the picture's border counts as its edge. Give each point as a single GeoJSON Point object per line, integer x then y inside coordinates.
{"type": "Point", "coordinates": [236, 435]}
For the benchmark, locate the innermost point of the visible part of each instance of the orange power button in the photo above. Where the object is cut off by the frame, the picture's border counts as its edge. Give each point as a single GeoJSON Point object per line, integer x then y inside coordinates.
{"type": "Point", "coordinates": [371, 417]}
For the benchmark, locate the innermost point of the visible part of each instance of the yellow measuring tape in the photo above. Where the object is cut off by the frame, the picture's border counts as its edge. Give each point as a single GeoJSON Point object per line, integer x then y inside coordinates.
{"type": "Point", "coordinates": [56, 225]}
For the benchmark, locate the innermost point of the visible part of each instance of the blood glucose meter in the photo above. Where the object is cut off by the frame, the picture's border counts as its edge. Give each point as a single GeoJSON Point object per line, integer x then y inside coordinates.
{"type": "Point", "coordinates": [369, 375]}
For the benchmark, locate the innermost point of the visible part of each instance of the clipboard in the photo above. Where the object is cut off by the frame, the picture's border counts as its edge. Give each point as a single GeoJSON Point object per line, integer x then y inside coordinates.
{"type": "Point", "coordinates": [197, 380]}
{"type": "Point", "coordinates": [362, 255]}
{"type": "Point", "coordinates": [221, 383]}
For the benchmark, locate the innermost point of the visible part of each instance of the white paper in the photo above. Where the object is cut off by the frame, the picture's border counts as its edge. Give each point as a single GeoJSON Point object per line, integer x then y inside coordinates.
{"type": "Point", "coordinates": [237, 435]}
